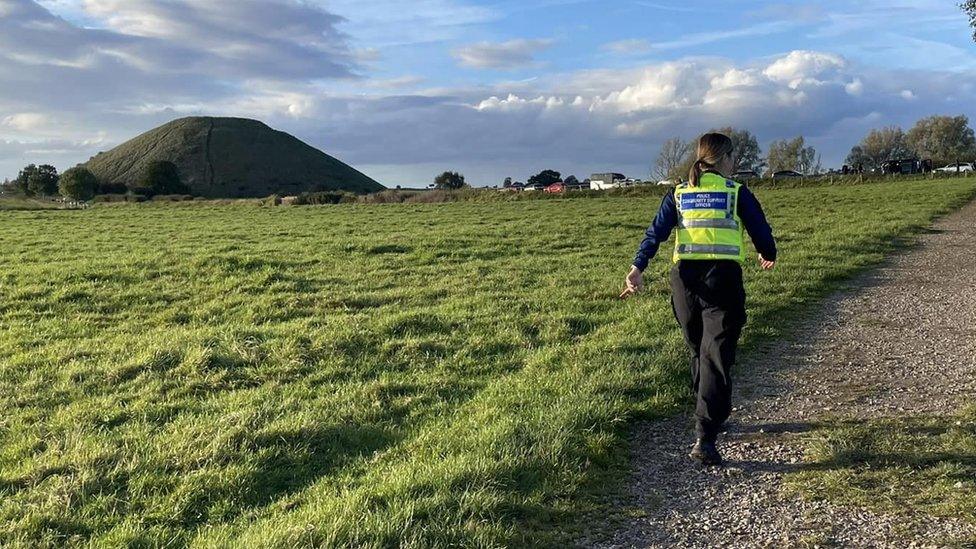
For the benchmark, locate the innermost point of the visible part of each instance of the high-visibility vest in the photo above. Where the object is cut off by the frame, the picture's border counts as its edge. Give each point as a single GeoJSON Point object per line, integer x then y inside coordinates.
{"type": "Point", "coordinates": [709, 226]}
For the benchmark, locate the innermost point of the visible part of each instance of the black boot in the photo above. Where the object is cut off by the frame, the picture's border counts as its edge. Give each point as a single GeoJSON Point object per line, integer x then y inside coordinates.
{"type": "Point", "coordinates": [706, 452]}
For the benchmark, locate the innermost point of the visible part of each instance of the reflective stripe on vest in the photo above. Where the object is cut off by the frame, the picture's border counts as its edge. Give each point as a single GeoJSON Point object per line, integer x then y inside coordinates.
{"type": "Point", "coordinates": [716, 249]}
{"type": "Point", "coordinates": [709, 224]}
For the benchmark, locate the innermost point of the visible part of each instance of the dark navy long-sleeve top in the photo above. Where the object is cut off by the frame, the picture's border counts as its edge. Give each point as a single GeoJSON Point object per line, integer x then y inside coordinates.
{"type": "Point", "coordinates": [749, 210]}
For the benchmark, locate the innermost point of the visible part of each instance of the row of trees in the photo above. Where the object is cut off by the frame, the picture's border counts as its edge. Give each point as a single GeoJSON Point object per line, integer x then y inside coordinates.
{"type": "Point", "coordinates": [79, 183]}
{"type": "Point", "coordinates": [76, 183]}
{"type": "Point", "coordinates": [542, 179]}
{"type": "Point", "coordinates": [454, 180]}
{"type": "Point", "coordinates": [34, 180]}
{"type": "Point", "coordinates": [943, 139]}
{"type": "Point", "coordinates": [37, 180]}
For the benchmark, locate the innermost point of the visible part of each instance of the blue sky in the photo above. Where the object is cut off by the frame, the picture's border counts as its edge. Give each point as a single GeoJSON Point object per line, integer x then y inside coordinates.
{"type": "Point", "coordinates": [406, 89]}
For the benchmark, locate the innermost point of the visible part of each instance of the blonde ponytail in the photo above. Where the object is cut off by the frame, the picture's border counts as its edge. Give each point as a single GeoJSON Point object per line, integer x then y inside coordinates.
{"type": "Point", "coordinates": [696, 171]}
{"type": "Point", "coordinates": [712, 148]}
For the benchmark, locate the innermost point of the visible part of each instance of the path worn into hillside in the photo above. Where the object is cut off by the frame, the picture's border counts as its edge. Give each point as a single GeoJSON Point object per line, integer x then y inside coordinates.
{"type": "Point", "coordinates": [900, 341]}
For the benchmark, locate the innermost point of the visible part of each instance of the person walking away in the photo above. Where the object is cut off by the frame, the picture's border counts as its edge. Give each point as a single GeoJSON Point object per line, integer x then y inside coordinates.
{"type": "Point", "coordinates": [711, 213]}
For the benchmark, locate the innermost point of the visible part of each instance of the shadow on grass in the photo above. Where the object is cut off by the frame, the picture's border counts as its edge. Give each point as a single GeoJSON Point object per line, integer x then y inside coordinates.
{"type": "Point", "coordinates": [298, 458]}
{"type": "Point", "coordinates": [289, 461]}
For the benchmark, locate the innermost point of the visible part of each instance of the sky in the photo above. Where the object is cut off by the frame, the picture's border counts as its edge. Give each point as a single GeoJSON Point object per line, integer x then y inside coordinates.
{"type": "Point", "coordinates": [406, 89]}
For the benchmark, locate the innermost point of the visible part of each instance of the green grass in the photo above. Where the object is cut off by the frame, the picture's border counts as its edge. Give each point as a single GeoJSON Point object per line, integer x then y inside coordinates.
{"type": "Point", "coordinates": [371, 375]}
{"type": "Point", "coordinates": [913, 466]}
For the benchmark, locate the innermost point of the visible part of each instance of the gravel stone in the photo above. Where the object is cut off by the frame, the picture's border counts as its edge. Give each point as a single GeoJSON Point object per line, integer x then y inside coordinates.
{"type": "Point", "coordinates": [897, 341]}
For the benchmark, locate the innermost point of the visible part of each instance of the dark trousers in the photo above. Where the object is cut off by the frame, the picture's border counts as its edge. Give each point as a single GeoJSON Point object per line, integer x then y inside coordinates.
{"type": "Point", "coordinates": [709, 303]}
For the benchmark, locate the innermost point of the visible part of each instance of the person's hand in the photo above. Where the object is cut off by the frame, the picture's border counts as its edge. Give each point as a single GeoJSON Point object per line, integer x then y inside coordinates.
{"type": "Point", "coordinates": [635, 283]}
{"type": "Point", "coordinates": [765, 263]}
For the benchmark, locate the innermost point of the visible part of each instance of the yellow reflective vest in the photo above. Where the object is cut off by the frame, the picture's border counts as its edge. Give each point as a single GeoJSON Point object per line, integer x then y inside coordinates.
{"type": "Point", "coordinates": [708, 223]}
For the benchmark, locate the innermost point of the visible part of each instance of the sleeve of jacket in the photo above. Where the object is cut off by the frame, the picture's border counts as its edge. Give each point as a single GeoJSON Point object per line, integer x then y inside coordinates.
{"type": "Point", "coordinates": [752, 215]}
{"type": "Point", "coordinates": [658, 233]}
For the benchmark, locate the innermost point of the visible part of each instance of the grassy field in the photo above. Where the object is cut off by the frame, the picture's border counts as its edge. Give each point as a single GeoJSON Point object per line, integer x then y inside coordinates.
{"type": "Point", "coordinates": [371, 375]}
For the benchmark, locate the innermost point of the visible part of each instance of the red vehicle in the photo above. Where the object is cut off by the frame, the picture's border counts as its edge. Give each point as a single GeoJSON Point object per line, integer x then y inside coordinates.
{"type": "Point", "coordinates": [555, 188]}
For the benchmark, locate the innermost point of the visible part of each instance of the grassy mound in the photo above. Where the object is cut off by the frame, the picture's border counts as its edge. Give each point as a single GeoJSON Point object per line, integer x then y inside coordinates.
{"type": "Point", "coordinates": [230, 158]}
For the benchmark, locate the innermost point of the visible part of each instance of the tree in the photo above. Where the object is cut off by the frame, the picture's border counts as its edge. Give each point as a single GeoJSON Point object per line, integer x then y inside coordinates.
{"type": "Point", "coordinates": [162, 177]}
{"type": "Point", "coordinates": [747, 154]}
{"type": "Point", "coordinates": [674, 154]}
{"type": "Point", "coordinates": [857, 157]}
{"type": "Point", "coordinates": [449, 180]}
{"type": "Point", "coordinates": [507, 183]}
{"type": "Point", "coordinates": [969, 6]}
{"type": "Point", "coordinates": [23, 178]}
{"type": "Point", "coordinates": [944, 139]}
{"type": "Point", "coordinates": [791, 154]}
{"type": "Point", "coordinates": [78, 184]}
{"type": "Point", "coordinates": [43, 181]}
{"type": "Point", "coordinates": [815, 167]}
{"type": "Point", "coordinates": [571, 181]}
{"type": "Point", "coordinates": [545, 178]}
{"type": "Point", "coordinates": [880, 146]}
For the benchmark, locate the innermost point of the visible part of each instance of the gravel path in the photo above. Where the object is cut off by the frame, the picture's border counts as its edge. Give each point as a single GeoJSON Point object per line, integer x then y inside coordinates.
{"type": "Point", "coordinates": [899, 341]}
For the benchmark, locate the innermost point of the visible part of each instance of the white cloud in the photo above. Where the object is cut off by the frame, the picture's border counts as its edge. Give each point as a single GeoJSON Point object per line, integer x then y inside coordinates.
{"type": "Point", "coordinates": [734, 78]}
{"type": "Point", "coordinates": [514, 102]}
{"type": "Point", "coordinates": [855, 87]}
{"type": "Point", "coordinates": [27, 121]}
{"type": "Point", "coordinates": [504, 55]}
{"type": "Point", "coordinates": [207, 38]}
{"type": "Point", "coordinates": [285, 38]}
{"type": "Point", "coordinates": [806, 67]}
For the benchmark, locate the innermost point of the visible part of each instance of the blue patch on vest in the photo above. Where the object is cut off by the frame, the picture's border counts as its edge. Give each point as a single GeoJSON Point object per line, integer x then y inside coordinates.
{"type": "Point", "coordinates": [705, 201]}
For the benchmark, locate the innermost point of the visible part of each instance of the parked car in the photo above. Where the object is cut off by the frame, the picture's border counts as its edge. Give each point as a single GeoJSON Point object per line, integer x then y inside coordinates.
{"type": "Point", "coordinates": [786, 173]}
{"type": "Point", "coordinates": [745, 174]}
{"type": "Point", "coordinates": [555, 188]}
{"type": "Point", "coordinates": [906, 166]}
{"type": "Point", "coordinates": [958, 167]}
{"type": "Point", "coordinates": [669, 182]}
